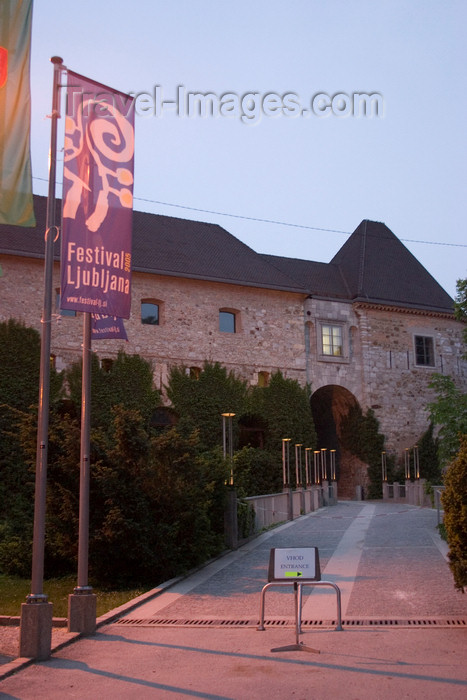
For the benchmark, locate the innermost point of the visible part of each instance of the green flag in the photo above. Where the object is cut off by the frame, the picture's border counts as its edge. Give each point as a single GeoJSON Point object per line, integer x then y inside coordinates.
{"type": "Point", "coordinates": [16, 204]}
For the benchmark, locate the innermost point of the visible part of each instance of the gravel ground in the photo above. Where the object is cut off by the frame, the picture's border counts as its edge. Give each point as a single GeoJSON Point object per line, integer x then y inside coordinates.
{"type": "Point", "coordinates": [9, 641]}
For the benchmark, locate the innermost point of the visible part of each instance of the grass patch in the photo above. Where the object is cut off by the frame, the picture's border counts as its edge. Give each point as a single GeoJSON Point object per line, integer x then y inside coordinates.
{"type": "Point", "coordinates": [13, 592]}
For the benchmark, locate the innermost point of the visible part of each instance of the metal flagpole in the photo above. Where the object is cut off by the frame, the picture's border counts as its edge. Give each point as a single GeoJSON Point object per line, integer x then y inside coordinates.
{"type": "Point", "coordinates": [82, 603]}
{"type": "Point", "coordinates": [83, 546]}
{"type": "Point", "coordinates": [36, 613]}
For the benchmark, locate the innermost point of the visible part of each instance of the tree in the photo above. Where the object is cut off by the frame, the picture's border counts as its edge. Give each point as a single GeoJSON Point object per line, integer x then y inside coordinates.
{"type": "Point", "coordinates": [454, 500]}
{"type": "Point", "coordinates": [449, 412]}
{"type": "Point", "coordinates": [460, 305]}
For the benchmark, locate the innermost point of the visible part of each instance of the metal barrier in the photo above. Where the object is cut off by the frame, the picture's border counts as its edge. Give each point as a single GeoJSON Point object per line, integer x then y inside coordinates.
{"type": "Point", "coordinates": [299, 646]}
{"type": "Point", "coordinates": [302, 565]}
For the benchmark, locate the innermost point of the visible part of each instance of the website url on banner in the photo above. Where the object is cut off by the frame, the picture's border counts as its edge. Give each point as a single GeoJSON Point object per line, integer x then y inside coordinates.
{"type": "Point", "coordinates": [250, 107]}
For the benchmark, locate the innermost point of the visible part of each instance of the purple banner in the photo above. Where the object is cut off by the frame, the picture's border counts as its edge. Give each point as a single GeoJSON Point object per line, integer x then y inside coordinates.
{"type": "Point", "coordinates": [97, 199]}
{"type": "Point", "coordinates": [107, 327]}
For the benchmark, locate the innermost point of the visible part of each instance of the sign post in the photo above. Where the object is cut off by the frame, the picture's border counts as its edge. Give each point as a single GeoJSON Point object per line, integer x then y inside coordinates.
{"type": "Point", "coordinates": [297, 567]}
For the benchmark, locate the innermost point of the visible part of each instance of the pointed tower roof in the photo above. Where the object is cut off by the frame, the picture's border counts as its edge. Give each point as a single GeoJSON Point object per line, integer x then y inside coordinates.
{"type": "Point", "coordinates": [378, 268]}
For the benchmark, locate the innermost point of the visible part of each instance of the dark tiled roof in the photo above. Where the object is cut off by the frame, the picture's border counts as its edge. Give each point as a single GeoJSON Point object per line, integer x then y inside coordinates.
{"type": "Point", "coordinates": [320, 279]}
{"type": "Point", "coordinates": [169, 246]}
{"type": "Point", "coordinates": [183, 248]}
{"type": "Point", "coordinates": [372, 266]}
{"type": "Point", "coordinates": [377, 267]}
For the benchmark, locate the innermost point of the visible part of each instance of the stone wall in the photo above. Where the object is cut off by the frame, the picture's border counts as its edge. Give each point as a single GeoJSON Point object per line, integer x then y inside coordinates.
{"type": "Point", "coordinates": [270, 334]}
{"type": "Point", "coordinates": [275, 330]}
{"type": "Point", "coordinates": [395, 386]}
{"type": "Point", "coordinates": [378, 362]}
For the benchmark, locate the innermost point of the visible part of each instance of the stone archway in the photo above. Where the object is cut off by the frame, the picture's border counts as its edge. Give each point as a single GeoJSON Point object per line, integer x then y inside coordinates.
{"type": "Point", "coordinates": [330, 406]}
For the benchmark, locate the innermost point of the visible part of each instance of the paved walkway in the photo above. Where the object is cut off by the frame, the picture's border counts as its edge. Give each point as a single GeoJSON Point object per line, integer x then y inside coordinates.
{"type": "Point", "coordinates": [405, 626]}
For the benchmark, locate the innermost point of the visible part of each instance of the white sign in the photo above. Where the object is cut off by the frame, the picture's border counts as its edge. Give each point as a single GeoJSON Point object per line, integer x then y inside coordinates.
{"type": "Point", "coordinates": [294, 564]}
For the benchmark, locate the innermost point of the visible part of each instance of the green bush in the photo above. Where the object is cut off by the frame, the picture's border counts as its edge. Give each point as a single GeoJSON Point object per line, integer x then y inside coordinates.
{"type": "Point", "coordinates": [256, 472]}
{"type": "Point", "coordinates": [200, 401]}
{"type": "Point", "coordinates": [19, 389]}
{"type": "Point", "coordinates": [428, 447]}
{"type": "Point", "coordinates": [157, 504]}
{"type": "Point", "coordinates": [284, 406]}
{"type": "Point", "coordinates": [129, 382]}
{"type": "Point", "coordinates": [454, 500]}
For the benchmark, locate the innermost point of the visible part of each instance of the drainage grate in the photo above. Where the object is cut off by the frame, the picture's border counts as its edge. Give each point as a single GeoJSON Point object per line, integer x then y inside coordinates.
{"type": "Point", "coordinates": [207, 622]}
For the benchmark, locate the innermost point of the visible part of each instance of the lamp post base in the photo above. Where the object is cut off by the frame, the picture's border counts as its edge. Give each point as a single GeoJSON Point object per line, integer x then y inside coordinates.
{"type": "Point", "coordinates": [35, 636]}
{"type": "Point", "coordinates": [82, 612]}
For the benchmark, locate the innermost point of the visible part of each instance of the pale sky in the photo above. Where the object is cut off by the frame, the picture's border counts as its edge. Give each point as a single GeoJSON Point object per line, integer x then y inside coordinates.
{"type": "Point", "coordinates": [313, 171]}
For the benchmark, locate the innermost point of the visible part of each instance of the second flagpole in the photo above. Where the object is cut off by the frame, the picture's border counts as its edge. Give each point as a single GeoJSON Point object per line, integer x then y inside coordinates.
{"type": "Point", "coordinates": [82, 603]}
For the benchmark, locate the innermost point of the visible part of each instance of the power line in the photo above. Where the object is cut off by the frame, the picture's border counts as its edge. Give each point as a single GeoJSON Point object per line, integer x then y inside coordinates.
{"type": "Point", "coordinates": [240, 216]}
{"type": "Point", "coordinates": [273, 221]}
{"type": "Point", "coordinates": [285, 223]}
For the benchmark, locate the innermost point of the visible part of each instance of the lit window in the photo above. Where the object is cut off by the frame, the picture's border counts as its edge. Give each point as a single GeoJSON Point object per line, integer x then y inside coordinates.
{"type": "Point", "coordinates": [195, 372]}
{"type": "Point", "coordinates": [226, 322]}
{"type": "Point", "coordinates": [424, 351]}
{"type": "Point", "coordinates": [332, 340]}
{"type": "Point", "coordinates": [150, 313]}
{"type": "Point", "coordinates": [263, 379]}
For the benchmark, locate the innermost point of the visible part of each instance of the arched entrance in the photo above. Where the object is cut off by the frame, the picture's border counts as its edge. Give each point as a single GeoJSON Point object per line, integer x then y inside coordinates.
{"type": "Point", "coordinates": [330, 407]}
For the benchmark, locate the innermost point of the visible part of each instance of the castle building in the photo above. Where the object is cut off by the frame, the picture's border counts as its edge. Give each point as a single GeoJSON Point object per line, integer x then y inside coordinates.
{"type": "Point", "coordinates": [369, 328]}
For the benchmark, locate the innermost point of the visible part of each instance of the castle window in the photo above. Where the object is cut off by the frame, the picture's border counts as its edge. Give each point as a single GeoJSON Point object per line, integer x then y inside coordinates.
{"type": "Point", "coordinates": [263, 379]}
{"type": "Point", "coordinates": [227, 321]}
{"type": "Point", "coordinates": [331, 338]}
{"type": "Point", "coordinates": [424, 351]}
{"type": "Point", "coordinates": [195, 372]}
{"type": "Point", "coordinates": [106, 364]}
{"type": "Point", "coordinates": [150, 312]}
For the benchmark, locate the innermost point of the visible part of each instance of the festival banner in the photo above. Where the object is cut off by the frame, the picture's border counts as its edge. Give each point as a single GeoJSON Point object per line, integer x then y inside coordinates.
{"type": "Point", "coordinates": [16, 203]}
{"type": "Point", "coordinates": [97, 199]}
{"type": "Point", "coordinates": [107, 328]}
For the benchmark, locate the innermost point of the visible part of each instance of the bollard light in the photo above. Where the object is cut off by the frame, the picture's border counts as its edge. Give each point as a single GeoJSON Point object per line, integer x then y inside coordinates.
{"type": "Point", "coordinates": [286, 461]}
{"type": "Point", "coordinates": [316, 466]}
{"type": "Point", "coordinates": [332, 455]}
{"type": "Point", "coordinates": [307, 466]}
{"type": "Point", "coordinates": [298, 464]}
{"type": "Point", "coordinates": [227, 441]}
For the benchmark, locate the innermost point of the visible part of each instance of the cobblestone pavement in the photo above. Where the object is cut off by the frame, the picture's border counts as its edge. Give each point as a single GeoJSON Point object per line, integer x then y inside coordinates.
{"type": "Point", "coordinates": [401, 569]}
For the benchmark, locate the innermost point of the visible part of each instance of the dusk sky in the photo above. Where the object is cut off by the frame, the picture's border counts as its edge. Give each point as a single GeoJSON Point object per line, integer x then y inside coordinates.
{"type": "Point", "coordinates": [283, 164]}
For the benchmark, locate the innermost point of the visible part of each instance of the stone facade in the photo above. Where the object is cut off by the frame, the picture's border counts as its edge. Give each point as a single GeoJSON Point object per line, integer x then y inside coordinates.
{"type": "Point", "coordinates": [375, 365]}
{"type": "Point", "coordinates": [269, 324]}
{"type": "Point", "coordinates": [378, 366]}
